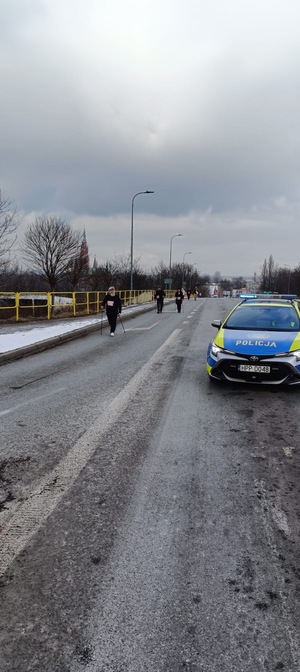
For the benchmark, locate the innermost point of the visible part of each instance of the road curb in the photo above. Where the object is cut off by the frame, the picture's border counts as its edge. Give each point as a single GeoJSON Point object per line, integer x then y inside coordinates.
{"type": "Point", "coordinates": [41, 346]}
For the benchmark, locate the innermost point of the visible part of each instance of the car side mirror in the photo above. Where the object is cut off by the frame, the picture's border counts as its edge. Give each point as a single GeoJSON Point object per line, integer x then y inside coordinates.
{"type": "Point", "coordinates": [216, 323]}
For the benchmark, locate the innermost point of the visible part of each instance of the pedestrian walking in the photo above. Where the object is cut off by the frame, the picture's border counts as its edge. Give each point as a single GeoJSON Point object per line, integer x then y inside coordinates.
{"type": "Point", "coordinates": [159, 295]}
{"type": "Point", "coordinates": [113, 306]}
{"type": "Point", "coordinates": [179, 298]}
{"type": "Point", "coordinates": [188, 294]}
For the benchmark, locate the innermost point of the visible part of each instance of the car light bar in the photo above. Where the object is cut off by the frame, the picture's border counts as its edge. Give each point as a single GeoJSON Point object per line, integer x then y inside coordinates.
{"type": "Point", "coordinates": [248, 296]}
{"type": "Point", "coordinates": [289, 297]}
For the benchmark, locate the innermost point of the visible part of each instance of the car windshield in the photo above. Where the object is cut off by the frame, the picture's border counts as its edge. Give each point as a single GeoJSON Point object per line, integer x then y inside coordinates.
{"type": "Point", "coordinates": [271, 318]}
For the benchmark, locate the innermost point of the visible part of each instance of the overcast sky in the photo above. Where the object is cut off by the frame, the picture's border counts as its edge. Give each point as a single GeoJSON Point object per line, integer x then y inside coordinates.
{"type": "Point", "coordinates": [197, 100]}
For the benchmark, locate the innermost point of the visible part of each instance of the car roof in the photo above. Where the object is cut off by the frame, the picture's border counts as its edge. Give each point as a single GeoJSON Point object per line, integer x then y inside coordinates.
{"type": "Point", "coordinates": [270, 298]}
{"type": "Point", "coordinates": [268, 302]}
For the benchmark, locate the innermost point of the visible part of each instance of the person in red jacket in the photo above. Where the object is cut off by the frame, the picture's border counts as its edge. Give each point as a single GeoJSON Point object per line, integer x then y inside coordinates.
{"type": "Point", "coordinates": [113, 306]}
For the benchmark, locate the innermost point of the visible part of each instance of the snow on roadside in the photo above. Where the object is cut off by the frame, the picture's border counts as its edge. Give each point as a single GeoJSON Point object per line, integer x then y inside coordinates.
{"type": "Point", "coordinates": [19, 339]}
{"type": "Point", "coordinates": [17, 336]}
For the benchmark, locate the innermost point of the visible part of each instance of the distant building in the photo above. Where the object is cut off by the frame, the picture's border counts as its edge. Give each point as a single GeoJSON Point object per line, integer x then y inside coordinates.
{"type": "Point", "coordinates": [213, 290]}
{"type": "Point", "coordinates": [84, 253]}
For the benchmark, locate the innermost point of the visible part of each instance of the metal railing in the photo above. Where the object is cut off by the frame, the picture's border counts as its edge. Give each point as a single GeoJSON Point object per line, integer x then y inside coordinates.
{"type": "Point", "coordinates": [26, 306]}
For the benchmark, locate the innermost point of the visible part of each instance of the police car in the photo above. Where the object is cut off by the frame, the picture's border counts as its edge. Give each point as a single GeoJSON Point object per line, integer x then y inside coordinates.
{"type": "Point", "coordinates": [258, 342]}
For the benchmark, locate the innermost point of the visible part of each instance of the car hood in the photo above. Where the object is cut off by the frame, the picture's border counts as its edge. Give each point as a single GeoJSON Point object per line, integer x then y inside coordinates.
{"type": "Point", "coordinates": [244, 341]}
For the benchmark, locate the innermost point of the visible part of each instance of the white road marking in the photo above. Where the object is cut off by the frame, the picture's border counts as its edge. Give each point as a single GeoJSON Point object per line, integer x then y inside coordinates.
{"type": "Point", "coordinates": [288, 450]}
{"type": "Point", "coordinates": [280, 519]}
{"type": "Point", "coordinates": [142, 328]}
{"type": "Point", "coordinates": [29, 401]}
{"type": "Point", "coordinates": [32, 513]}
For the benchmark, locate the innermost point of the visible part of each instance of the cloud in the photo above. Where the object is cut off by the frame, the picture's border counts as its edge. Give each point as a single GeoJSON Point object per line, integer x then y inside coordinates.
{"type": "Point", "coordinates": [198, 101]}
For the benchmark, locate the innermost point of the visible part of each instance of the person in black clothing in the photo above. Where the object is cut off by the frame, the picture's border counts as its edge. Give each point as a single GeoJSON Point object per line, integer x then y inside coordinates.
{"type": "Point", "coordinates": [160, 295]}
{"type": "Point", "coordinates": [179, 298]}
{"type": "Point", "coordinates": [112, 304]}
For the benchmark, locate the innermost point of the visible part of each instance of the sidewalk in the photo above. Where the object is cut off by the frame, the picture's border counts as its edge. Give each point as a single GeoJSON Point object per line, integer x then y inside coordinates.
{"type": "Point", "coordinates": [18, 340]}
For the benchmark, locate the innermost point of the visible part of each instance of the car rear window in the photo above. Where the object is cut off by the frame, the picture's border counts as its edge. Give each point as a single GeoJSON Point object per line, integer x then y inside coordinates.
{"type": "Point", "coordinates": [272, 318]}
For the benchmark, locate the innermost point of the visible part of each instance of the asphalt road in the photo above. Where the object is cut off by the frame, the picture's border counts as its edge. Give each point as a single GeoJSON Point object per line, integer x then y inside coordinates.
{"type": "Point", "coordinates": [149, 519]}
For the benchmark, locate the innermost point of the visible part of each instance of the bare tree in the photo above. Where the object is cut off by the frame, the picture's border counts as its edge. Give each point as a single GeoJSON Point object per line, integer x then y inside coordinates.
{"type": "Point", "coordinates": [159, 273]}
{"type": "Point", "coordinates": [122, 270]}
{"type": "Point", "coordinates": [268, 276]}
{"type": "Point", "coordinates": [8, 224]}
{"type": "Point", "coordinates": [263, 283]}
{"type": "Point", "coordinates": [50, 247]}
{"type": "Point", "coordinates": [78, 270]}
{"type": "Point", "coordinates": [116, 272]}
{"type": "Point", "coordinates": [272, 274]}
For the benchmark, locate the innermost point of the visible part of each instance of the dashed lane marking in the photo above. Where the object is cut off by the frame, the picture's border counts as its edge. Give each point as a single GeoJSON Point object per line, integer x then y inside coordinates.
{"type": "Point", "coordinates": [142, 328]}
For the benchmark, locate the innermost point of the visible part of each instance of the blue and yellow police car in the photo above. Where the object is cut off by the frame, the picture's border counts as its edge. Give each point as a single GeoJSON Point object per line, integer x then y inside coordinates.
{"type": "Point", "coordinates": [258, 342]}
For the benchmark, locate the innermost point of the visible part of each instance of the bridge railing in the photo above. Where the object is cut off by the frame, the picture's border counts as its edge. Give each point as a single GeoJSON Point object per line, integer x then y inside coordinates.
{"type": "Point", "coordinates": [26, 306]}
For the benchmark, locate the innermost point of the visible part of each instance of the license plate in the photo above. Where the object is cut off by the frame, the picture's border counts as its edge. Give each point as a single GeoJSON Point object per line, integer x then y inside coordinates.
{"type": "Point", "coordinates": [253, 368]}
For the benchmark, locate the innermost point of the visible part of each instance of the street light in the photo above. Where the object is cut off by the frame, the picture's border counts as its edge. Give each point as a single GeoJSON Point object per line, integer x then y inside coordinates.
{"type": "Point", "coordinates": [131, 238]}
{"type": "Point", "coordinates": [183, 266]}
{"type": "Point", "coordinates": [170, 271]}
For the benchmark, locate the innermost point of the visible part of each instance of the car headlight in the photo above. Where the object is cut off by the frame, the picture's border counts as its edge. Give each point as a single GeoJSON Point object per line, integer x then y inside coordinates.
{"type": "Point", "coordinates": [291, 353]}
{"type": "Point", "coordinates": [215, 349]}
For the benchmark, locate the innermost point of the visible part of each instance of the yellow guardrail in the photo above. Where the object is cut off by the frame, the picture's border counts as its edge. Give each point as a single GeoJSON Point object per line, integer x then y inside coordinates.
{"type": "Point", "coordinates": [24, 306]}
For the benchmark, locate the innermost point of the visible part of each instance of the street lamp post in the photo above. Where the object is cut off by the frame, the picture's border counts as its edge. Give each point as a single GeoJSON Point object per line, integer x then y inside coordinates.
{"type": "Point", "coordinates": [183, 266]}
{"type": "Point", "coordinates": [131, 237]}
{"type": "Point", "coordinates": [170, 267]}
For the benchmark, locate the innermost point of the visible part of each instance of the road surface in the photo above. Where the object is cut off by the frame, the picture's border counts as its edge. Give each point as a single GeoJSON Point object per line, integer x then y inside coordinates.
{"type": "Point", "coordinates": [149, 519]}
